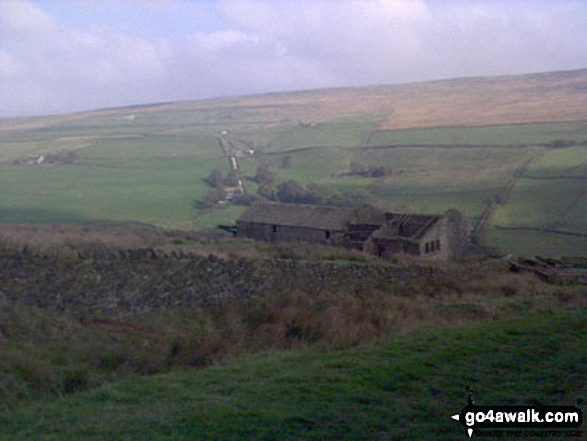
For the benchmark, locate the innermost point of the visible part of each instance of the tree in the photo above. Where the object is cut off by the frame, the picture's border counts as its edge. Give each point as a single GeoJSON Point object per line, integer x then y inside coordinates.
{"type": "Point", "coordinates": [373, 171]}
{"type": "Point", "coordinates": [353, 199]}
{"type": "Point", "coordinates": [559, 143]}
{"type": "Point", "coordinates": [267, 191]}
{"type": "Point", "coordinates": [214, 195]}
{"type": "Point", "coordinates": [231, 179]}
{"type": "Point", "coordinates": [215, 179]}
{"type": "Point", "coordinates": [290, 192]}
{"type": "Point", "coordinates": [264, 176]}
{"type": "Point", "coordinates": [286, 162]}
{"type": "Point", "coordinates": [318, 194]}
{"type": "Point", "coordinates": [357, 168]}
{"type": "Point", "coordinates": [246, 199]}
{"type": "Point", "coordinates": [379, 172]}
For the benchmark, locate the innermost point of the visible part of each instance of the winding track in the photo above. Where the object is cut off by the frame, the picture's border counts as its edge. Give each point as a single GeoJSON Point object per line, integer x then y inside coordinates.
{"type": "Point", "coordinates": [228, 150]}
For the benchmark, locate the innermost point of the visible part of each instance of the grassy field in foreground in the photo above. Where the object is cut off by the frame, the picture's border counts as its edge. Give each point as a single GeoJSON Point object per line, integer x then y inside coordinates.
{"type": "Point", "coordinates": [406, 388]}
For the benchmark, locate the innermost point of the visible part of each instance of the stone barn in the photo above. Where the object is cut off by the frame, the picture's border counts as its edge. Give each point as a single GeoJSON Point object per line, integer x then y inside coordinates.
{"type": "Point", "coordinates": [367, 229]}
{"type": "Point", "coordinates": [432, 236]}
{"type": "Point", "coordinates": [294, 222]}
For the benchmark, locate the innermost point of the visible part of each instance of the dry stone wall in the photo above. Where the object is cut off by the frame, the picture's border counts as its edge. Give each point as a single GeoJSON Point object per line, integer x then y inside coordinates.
{"type": "Point", "coordinates": [104, 281]}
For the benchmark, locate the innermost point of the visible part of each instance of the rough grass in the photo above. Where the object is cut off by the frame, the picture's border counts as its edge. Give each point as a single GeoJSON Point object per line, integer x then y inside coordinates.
{"type": "Point", "coordinates": [535, 98]}
{"type": "Point", "coordinates": [48, 352]}
{"type": "Point", "coordinates": [405, 388]}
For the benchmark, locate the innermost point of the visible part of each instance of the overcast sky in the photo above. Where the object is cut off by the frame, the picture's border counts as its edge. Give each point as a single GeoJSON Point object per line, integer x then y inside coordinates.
{"type": "Point", "coordinates": [61, 56]}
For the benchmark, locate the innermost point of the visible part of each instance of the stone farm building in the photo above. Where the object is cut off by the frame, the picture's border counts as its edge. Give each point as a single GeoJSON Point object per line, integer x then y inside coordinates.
{"type": "Point", "coordinates": [366, 229]}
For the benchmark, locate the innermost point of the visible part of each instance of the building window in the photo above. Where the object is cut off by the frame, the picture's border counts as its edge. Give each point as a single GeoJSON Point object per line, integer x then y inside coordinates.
{"type": "Point", "coordinates": [380, 250]}
{"type": "Point", "coordinates": [274, 228]}
{"type": "Point", "coordinates": [437, 245]}
{"type": "Point", "coordinates": [432, 246]}
{"type": "Point", "coordinates": [427, 249]}
{"type": "Point", "coordinates": [327, 234]}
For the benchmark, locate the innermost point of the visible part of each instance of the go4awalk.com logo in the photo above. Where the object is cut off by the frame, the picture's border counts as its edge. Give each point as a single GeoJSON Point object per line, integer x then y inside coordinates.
{"type": "Point", "coordinates": [520, 421]}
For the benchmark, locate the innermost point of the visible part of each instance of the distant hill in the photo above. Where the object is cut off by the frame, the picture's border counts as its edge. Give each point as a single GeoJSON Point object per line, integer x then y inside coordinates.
{"type": "Point", "coordinates": [514, 99]}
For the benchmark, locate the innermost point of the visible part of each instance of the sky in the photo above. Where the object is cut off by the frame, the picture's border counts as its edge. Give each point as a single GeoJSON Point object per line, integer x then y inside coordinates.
{"type": "Point", "coordinates": [61, 56]}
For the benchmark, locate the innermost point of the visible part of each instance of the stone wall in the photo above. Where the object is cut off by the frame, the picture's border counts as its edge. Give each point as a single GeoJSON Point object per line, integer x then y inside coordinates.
{"type": "Point", "coordinates": [458, 233]}
{"type": "Point", "coordinates": [112, 282]}
{"type": "Point", "coordinates": [439, 236]}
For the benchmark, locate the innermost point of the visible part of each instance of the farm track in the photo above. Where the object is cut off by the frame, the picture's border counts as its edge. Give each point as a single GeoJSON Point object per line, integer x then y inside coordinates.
{"type": "Point", "coordinates": [229, 151]}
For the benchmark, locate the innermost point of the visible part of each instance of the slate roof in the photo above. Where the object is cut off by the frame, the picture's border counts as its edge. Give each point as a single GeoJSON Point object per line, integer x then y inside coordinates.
{"type": "Point", "coordinates": [298, 215]}
{"type": "Point", "coordinates": [408, 226]}
{"type": "Point", "coordinates": [320, 217]}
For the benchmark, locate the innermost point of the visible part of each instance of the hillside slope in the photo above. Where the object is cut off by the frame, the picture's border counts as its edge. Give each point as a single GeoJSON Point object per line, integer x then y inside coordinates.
{"type": "Point", "coordinates": [407, 388]}
{"type": "Point", "coordinates": [515, 99]}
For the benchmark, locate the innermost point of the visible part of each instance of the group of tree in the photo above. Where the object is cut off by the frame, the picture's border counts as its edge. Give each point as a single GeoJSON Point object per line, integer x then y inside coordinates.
{"type": "Point", "coordinates": [293, 192]}
{"type": "Point", "coordinates": [217, 181]}
{"type": "Point", "coordinates": [264, 175]}
{"type": "Point", "coordinates": [289, 191]}
{"type": "Point", "coordinates": [214, 196]}
{"type": "Point", "coordinates": [371, 171]}
{"type": "Point", "coordinates": [49, 159]}
{"type": "Point", "coordinates": [61, 158]}
{"type": "Point", "coordinates": [265, 180]}
{"type": "Point", "coordinates": [560, 143]}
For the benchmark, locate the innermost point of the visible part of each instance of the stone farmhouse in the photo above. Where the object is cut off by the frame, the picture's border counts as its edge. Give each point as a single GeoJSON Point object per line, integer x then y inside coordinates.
{"type": "Point", "coordinates": [367, 229]}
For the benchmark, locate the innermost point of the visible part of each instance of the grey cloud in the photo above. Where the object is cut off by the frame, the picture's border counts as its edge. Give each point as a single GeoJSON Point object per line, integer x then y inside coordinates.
{"type": "Point", "coordinates": [21, 20]}
{"type": "Point", "coordinates": [267, 46]}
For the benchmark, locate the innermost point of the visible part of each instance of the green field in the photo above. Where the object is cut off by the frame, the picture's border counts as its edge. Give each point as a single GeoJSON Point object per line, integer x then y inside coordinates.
{"type": "Point", "coordinates": [515, 134]}
{"type": "Point", "coordinates": [147, 166]}
{"type": "Point", "coordinates": [541, 203]}
{"type": "Point", "coordinates": [425, 179]}
{"type": "Point", "coordinates": [335, 134]}
{"type": "Point", "coordinates": [551, 195]}
{"type": "Point", "coordinates": [532, 242]}
{"type": "Point", "coordinates": [405, 388]}
{"type": "Point", "coordinates": [568, 162]}
{"type": "Point", "coordinates": [150, 191]}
